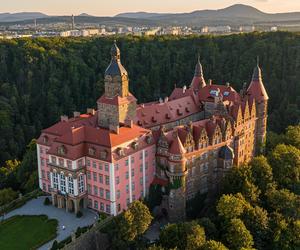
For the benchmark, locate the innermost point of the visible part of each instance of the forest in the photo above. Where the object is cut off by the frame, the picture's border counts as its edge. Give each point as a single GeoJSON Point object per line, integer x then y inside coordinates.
{"type": "Point", "coordinates": [43, 78]}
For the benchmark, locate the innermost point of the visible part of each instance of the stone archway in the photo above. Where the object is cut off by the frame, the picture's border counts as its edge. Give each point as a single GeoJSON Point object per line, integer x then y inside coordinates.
{"type": "Point", "coordinates": [54, 200]}
{"type": "Point", "coordinates": [70, 206]}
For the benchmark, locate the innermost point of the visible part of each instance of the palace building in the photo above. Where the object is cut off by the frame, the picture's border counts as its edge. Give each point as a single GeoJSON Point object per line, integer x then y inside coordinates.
{"type": "Point", "coordinates": [107, 158]}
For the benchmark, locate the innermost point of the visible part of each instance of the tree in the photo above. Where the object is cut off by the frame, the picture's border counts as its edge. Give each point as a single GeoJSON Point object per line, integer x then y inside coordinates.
{"type": "Point", "coordinates": [239, 180]}
{"type": "Point", "coordinates": [213, 245]}
{"type": "Point", "coordinates": [134, 221]}
{"type": "Point", "coordinates": [187, 235]}
{"type": "Point", "coordinates": [285, 202]}
{"type": "Point", "coordinates": [261, 172]}
{"type": "Point", "coordinates": [231, 206]}
{"type": "Point", "coordinates": [237, 235]}
{"type": "Point", "coordinates": [292, 136]}
{"type": "Point", "coordinates": [285, 161]}
{"type": "Point", "coordinates": [7, 195]}
{"type": "Point", "coordinates": [210, 228]}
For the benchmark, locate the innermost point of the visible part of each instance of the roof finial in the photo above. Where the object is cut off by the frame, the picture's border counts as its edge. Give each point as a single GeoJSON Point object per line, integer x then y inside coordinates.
{"type": "Point", "coordinates": [257, 61]}
{"type": "Point", "coordinates": [198, 57]}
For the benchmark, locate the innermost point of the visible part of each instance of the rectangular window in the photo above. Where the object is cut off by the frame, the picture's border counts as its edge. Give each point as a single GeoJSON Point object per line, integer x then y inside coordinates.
{"type": "Point", "coordinates": [126, 162]}
{"type": "Point", "coordinates": [89, 189]}
{"type": "Point", "coordinates": [108, 209]}
{"type": "Point", "coordinates": [101, 190]}
{"type": "Point", "coordinates": [146, 165]}
{"type": "Point", "coordinates": [100, 166]}
{"type": "Point", "coordinates": [101, 206]}
{"type": "Point", "coordinates": [53, 160]}
{"type": "Point", "coordinates": [127, 188]}
{"type": "Point", "coordinates": [141, 180]}
{"type": "Point", "coordinates": [117, 180]}
{"type": "Point", "coordinates": [132, 172]}
{"type": "Point", "coordinates": [132, 186]}
{"type": "Point", "coordinates": [88, 163]}
{"type": "Point", "coordinates": [69, 164]}
{"type": "Point", "coordinates": [70, 185]}
{"type": "Point", "coordinates": [106, 180]}
{"type": "Point", "coordinates": [61, 162]}
{"type": "Point", "coordinates": [96, 190]}
{"type": "Point", "coordinates": [107, 194]}
{"type": "Point", "coordinates": [88, 175]}
{"type": "Point", "coordinates": [118, 194]}
{"type": "Point", "coordinates": [80, 163]}
{"type": "Point", "coordinates": [62, 183]}
{"type": "Point", "coordinates": [141, 168]}
{"type": "Point", "coordinates": [41, 150]}
{"type": "Point", "coordinates": [94, 176]}
{"type": "Point", "coordinates": [132, 159]}
{"type": "Point", "coordinates": [117, 167]}
{"type": "Point", "coordinates": [106, 167]}
{"type": "Point", "coordinates": [141, 155]}
{"type": "Point", "coordinates": [100, 178]}
{"type": "Point", "coordinates": [48, 175]}
{"type": "Point", "coordinates": [42, 162]}
{"type": "Point", "coordinates": [127, 175]}
{"type": "Point", "coordinates": [146, 153]}
{"type": "Point", "coordinates": [96, 204]}
{"type": "Point", "coordinates": [43, 174]}
{"type": "Point", "coordinates": [94, 164]}
{"type": "Point", "coordinates": [55, 180]}
{"type": "Point", "coordinates": [81, 184]}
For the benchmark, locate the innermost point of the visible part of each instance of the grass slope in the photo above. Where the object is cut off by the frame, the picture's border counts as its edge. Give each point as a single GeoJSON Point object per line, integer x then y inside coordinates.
{"type": "Point", "coordinates": [26, 232]}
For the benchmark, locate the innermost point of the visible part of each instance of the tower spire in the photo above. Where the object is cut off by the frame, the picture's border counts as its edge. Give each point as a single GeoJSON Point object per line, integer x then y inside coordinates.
{"type": "Point", "coordinates": [257, 71]}
{"type": "Point", "coordinates": [198, 80]}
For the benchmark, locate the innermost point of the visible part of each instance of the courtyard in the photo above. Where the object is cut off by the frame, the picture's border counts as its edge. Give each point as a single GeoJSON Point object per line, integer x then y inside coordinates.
{"type": "Point", "coordinates": [67, 222]}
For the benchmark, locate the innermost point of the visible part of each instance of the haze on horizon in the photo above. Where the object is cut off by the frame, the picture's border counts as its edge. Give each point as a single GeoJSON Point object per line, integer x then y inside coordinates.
{"type": "Point", "coordinates": [110, 8]}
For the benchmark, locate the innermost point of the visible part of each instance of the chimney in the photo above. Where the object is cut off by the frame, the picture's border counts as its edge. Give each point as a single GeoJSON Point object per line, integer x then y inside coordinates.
{"type": "Point", "coordinates": [76, 114]}
{"type": "Point", "coordinates": [166, 99]}
{"type": "Point", "coordinates": [90, 111]}
{"type": "Point", "coordinates": [184, 89]}
{"type": "Point", "coordinates": [160, 100]}
{"type": "Point", "coordinates": [210, 82]}
{"type": "Point", "coordinates": [227, 84]}
{"type": "Point", "coordinates": [64, 118]}
{"type": "Point", "coordinates": [129, 123]}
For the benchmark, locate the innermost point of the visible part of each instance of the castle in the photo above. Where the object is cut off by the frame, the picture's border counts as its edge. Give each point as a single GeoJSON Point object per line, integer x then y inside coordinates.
{"type": "Point", "coordinates": [107, 158]}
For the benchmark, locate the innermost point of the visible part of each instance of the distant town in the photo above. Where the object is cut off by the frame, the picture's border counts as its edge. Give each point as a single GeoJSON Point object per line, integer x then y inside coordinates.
{"type": "Point", "coordinates": [73, 29]}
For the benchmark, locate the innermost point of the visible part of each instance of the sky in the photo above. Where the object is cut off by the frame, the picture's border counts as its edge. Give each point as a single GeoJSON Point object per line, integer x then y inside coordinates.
{"type": "Point", "coordinates": [113, 7]}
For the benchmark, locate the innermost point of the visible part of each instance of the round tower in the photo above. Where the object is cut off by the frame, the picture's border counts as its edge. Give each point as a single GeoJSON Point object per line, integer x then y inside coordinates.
{"type": "Point", "coordinates": [198, 81]}
{"type": "Point", "coordinates": [258, 93]}
{"type": "Point", "coordinates": [177, 176]}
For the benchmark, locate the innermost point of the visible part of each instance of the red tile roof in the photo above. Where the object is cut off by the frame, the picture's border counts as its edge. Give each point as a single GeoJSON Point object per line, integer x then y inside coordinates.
{"type": "Point", "coordinates": [228, 93]}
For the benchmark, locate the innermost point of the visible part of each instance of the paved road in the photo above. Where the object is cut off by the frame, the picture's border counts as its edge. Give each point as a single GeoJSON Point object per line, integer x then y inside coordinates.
{"type": "Point", "coordinates": [69, 220]}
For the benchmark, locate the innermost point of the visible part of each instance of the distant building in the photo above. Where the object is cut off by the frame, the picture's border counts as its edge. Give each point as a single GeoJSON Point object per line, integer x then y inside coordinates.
{"type": "Point", "coordinates": [107, 158]}
{"type": "Point", "coordinates": [247, 28]}
{"type": "Point", "coordinates": [216, 29]}
{"type": "Point", "coordinates": [274, 29]}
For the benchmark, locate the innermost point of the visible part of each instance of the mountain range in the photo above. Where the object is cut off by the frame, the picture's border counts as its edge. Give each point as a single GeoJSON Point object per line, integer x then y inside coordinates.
{"type": "Point", "coordinates": [238, 14]}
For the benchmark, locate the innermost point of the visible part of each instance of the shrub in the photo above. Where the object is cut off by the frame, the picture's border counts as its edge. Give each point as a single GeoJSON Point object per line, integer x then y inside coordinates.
{"type": "Point", "coordinates": [47, 201]}
{"type": "Point", "coordinates": [54, 245]}
{"type": "Point", "coordinates": [79, 214]}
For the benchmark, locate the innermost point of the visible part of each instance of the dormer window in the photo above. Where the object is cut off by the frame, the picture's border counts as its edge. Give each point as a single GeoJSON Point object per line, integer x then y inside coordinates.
{"type": "Point", "coordinates": [149, 139]}
{"type": "Point", "coordinates": [103, 154]}
{"type": "Point", "coordinates": [134, 145]}
{"type": "Point", "coordinates": [120, 152]}
{"type": "Point", "coordinates": [45, 139]}
{"type": "Point", "coordinates": [92, 151]}
{"type": "Point", "coordinates": [61, 150]}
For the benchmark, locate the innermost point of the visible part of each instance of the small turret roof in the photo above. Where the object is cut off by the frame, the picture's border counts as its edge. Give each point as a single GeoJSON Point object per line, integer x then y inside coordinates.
{"type": "Point", "coordinates": [115, 68]}
{"type": "Point", "coordinates": [256, 88]}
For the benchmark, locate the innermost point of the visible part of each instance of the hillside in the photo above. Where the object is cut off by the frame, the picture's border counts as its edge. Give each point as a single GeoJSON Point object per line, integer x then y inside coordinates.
{"type": "Point", "coordinates": [238, 14]}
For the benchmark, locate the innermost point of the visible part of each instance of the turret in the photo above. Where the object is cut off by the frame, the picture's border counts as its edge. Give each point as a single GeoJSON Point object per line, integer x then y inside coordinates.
{"type": "Point", "coordinates": [257, 92]}
{"type": "Point", "coordinates": [177, 177]}
{"type": "Point", "coordinates": [198, 81]}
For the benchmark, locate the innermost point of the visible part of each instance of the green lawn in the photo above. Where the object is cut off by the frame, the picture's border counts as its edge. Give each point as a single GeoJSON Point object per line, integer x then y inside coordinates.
{"type": "Point", "coordinates": [26, 232]}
